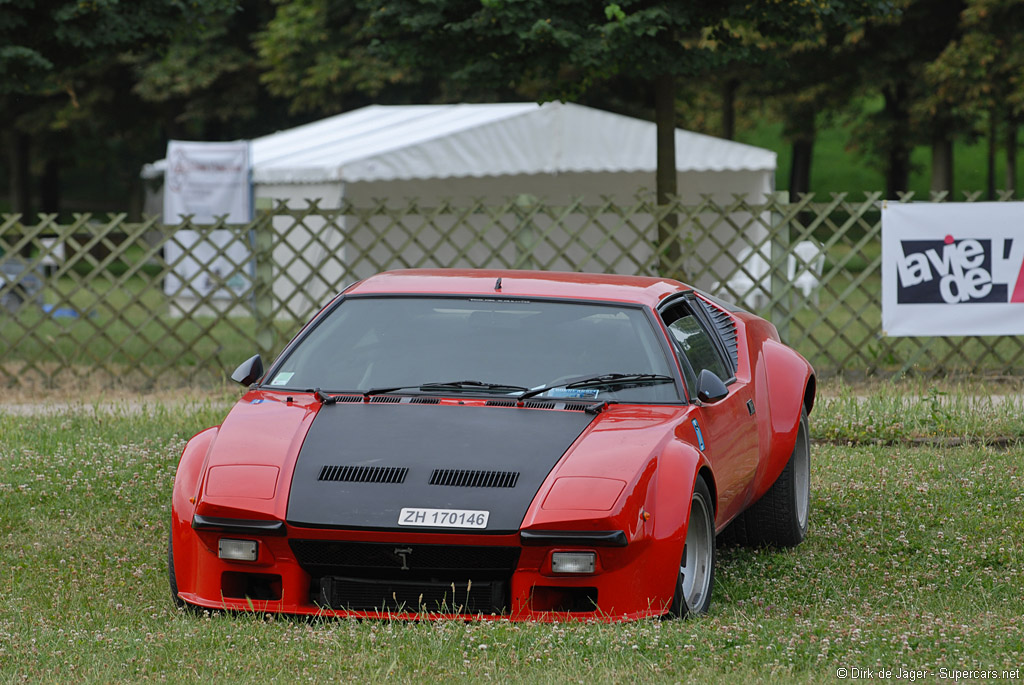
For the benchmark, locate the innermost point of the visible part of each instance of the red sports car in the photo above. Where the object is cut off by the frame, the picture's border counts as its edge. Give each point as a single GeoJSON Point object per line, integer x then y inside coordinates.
{"type": "Point", "coordinates": [512, 444]}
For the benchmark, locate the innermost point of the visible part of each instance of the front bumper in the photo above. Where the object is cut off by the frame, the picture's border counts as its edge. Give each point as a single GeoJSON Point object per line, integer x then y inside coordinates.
{"type": "Point", "coordinates": [404, 575]}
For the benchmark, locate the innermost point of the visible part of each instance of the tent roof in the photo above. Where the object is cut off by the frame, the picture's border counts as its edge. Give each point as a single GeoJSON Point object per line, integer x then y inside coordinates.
{"type": "Point", "coordinates": [381, 142]}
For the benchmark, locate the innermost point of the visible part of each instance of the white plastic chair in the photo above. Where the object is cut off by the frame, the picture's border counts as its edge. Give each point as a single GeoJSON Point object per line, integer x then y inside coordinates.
{"type": "Point", "coordinates": [804, 267]}
{"type": "Point", "coordinates": [748, 285]}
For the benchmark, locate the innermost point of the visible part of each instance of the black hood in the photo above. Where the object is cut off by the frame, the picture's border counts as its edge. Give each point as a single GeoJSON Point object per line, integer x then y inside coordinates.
{"type": "Point", "coordinates": [361, 464]}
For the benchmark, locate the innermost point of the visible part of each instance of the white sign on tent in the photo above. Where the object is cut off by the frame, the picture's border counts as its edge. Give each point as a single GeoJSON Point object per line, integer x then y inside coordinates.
{"type": "Point", "coordinates": [953, 268]}
{"type": "Point", "coordinates": [207, 181]}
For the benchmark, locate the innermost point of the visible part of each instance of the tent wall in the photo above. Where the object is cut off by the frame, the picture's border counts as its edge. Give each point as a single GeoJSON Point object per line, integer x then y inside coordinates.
{"type": "Point", "coordinates": [304, 283]}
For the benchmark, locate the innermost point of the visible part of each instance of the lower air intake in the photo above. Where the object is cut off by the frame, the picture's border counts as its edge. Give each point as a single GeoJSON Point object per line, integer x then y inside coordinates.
{"type": "Point", "coordinates": [458, 597]}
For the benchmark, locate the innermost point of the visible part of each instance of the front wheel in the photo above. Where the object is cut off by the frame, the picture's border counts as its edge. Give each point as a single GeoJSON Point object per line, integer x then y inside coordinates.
{"type": "Point", "coordinates": [172, 580]}
{"type": "Point", "coordinates": [697, 566]}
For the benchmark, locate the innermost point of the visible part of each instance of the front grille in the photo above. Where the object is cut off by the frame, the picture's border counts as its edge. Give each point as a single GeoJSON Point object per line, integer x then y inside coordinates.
{"type": "Point", "coordinates": [361, 594]}
{"type": "Point", "coordinates": [363, 474]}
{"type": "Point", "coordinates": [376, 560]}
{"type": "Point", "coordinates": [474, 479]}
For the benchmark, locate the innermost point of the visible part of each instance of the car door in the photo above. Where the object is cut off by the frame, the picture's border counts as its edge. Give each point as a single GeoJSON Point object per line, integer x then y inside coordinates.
{"type": "Point", "coordinates": [727, 426]}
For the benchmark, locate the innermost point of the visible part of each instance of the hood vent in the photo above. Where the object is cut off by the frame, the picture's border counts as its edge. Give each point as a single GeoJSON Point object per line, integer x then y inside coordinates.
{"type": "Point", "coordinates": [347, 398]}
{"type": "Point", "coordinates": [576, 406]}
{"type": "Point", "coordinates": [386, 399]}
{"type": "Point", "coordinates": [363, 474]}
{"type": "Point", "coordinates": [538, 405]}
{"type": "Point", "coordinates": [501, 403]}
{"type": "Point", "coordinates": [425, 400]}
{"type": "Point", "coordinates": [474, 479]}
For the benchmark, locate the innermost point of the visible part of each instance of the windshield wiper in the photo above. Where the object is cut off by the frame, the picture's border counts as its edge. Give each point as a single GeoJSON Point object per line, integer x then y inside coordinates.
{"type": "Point", "coordinates": [605, 380]}
{"type": "Point", "coordinates": [451, 385]}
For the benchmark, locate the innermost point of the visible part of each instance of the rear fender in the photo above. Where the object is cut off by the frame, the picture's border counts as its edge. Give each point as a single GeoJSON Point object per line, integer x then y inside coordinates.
{"type": "Point", "coordinates": [785, 387]}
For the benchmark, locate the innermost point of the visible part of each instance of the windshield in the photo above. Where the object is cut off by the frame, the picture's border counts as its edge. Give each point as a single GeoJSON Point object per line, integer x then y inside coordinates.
{"type": "Point", "coordinates": [433, 345]}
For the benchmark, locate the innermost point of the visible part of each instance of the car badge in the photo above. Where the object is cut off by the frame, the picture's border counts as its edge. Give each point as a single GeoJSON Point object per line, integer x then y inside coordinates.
{"type": "Point", "coordinates": [402, 553]}
{"type": "Point", "coordinates": [700, 436]}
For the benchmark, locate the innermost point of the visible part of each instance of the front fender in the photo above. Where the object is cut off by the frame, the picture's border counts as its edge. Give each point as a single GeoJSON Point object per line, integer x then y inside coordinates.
{"type": "Point", "coordinates": [679, 466]}
{"type": "Point", "coordinates": [186, 489]}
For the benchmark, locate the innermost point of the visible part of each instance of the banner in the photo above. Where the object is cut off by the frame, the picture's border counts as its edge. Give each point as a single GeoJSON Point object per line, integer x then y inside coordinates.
{"type": "Point", "coordinates": [207, 180]}
{"type": "Point", "coordinates": [953, 268]}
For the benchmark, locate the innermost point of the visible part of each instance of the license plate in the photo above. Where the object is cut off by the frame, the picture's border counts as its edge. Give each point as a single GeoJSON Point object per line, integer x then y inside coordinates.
{"type": "Point", "coordinates": [443, 518]}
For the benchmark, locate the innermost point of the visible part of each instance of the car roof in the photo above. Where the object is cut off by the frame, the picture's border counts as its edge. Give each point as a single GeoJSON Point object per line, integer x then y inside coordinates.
{"type": "Point", "coordinates": [515, 283]}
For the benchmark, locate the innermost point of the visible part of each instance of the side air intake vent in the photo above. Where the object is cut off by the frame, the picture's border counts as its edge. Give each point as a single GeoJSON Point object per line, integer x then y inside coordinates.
{"type": "Point", "coordinates": [474, 479]}
{"type": "Point", "coordinates": [726, 328]}
{"type": "Point", "coordinates": [363, 474]}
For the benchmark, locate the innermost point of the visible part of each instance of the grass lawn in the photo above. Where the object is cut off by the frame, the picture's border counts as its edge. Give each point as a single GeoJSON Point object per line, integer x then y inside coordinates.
{"type": "Point", "coordinates": [914, 560]}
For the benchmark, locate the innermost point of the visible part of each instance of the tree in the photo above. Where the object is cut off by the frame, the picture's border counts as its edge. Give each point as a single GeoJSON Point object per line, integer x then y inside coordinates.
{"type": "Point", "coordinates": [977, 77]}
{"type": "Point", "coordinates": [891, 55]}
{"type": "Point", "coordinates": [58, 59]}
{"type": "Point", "coordinates": [574, 44]}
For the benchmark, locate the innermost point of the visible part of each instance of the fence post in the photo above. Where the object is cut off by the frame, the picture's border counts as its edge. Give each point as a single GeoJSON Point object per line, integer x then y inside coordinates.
{"type": "Point", "coordinates": [263, 283]}
{"type": "Point", "coordinates": [780, 310]}
{"type": "Point", "coordinates": [524, 207]}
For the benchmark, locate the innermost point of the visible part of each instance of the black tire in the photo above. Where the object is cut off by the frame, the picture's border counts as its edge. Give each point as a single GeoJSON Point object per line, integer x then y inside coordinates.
{"type": "Point", "coordinates": [779, 519]}
{"type": "Point", "coordinates": [178, 601]}
{"type": "Point", "coordinates": [696, 578]}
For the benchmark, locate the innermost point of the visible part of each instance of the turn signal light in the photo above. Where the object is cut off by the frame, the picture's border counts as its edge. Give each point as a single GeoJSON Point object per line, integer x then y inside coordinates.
{"type": "Point", "coordinates": [237, 550]}
{"type": "Point", "coordinates": [573, 562]}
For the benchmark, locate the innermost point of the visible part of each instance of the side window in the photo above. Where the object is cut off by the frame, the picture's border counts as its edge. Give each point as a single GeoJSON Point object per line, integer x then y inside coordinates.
{"type": "Point", "coordinates": [695, 344]}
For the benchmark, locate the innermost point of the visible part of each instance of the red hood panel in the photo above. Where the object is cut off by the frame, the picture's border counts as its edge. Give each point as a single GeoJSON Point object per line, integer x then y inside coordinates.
{"type": "Point", "coordinates": [260, 432]}
{"type": "Point", "coordinates": [620, 446]}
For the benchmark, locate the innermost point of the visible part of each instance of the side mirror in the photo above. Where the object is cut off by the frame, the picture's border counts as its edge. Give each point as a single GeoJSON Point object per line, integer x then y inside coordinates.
{"type": "Point", "coordinates": [249, 371]}
{"type": "Point", "coordinates": [710, 387]}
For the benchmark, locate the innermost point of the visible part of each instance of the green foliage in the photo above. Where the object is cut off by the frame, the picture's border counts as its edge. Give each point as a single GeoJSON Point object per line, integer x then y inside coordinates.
{"type": "Point", "coordinates": [311, 52]}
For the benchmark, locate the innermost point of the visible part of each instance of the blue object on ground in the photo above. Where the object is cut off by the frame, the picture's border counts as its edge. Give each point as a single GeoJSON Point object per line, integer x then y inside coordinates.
{"type": "Point", "coordinates": [60, 312]}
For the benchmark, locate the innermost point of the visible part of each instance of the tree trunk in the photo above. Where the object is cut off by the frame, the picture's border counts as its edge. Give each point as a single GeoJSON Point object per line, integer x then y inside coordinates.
{"type": "Point", "coordinates": [1011, 156]}
{"type": "Point", "coordinates": [729, 108]}
{"type": "Point", "coordinates": [49, 187]}
{"type": "Point", "coordinates": [20, 188]}
{"type": "Point", "coordinates": [666, 182]}
{"type": "Point", "coordinates": [897, 168]}
{"type": "Point", "coordinates": [800, 171]}
{"type": "Point", "coordinates": [800, 130]}
{"type": "Point", "coordinates": [942, 166]}
{"type": "Point", "coordinates": [990, 167]}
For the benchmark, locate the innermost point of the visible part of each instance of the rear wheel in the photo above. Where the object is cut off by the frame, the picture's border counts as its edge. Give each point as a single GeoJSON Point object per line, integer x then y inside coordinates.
{"type": "Point", "coordinates": [697, 566]}
{"type": "Point", "coordinates": [780, 517]}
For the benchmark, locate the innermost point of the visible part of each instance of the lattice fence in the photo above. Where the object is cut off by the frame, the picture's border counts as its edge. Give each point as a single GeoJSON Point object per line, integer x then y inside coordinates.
{"type": "Point", "coordinates": [104, 302]}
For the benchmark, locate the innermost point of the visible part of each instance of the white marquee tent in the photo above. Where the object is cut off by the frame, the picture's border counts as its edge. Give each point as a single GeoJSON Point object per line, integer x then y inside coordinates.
{"type": "Point", "coordinates": [554, 151]}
